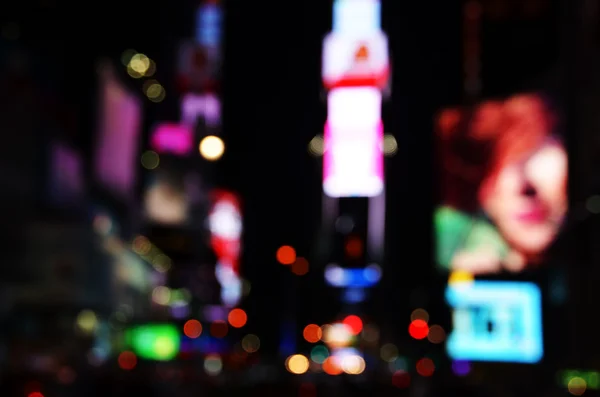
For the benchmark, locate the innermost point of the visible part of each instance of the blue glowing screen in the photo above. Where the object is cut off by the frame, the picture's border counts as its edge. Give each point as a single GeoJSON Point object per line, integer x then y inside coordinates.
{"type": "Point", "coordinates": [208, 25]}
{"type": "Point", "coordinates": [496, 321]}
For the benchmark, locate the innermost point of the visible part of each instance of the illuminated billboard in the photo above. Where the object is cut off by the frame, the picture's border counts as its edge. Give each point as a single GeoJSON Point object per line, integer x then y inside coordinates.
{"type": "Point", "coordinates": [495, 321]}
{"type": "Point", "coordinates": [351, 61]}
{"type": "Point", "coordinates": [194, 106]}
{"type": "Point", "coordinates": [353, 156]}
{"type": "Point", "coordinates": [225, 225]}
{"type": "Point", "coordinates": [209, 21]}
{"type": "Point", "coordinates": [356, 17]}
{"type": "Point", "coordinates": [173, 138]}
{"type": "Point", "coordinates": [119, 125]}
{"type": "Point", "coordinates": [503, 176]}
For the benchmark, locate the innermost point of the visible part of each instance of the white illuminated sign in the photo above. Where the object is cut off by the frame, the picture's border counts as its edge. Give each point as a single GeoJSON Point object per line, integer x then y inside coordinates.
{"type": "Point", "coordinates": [354, 61]}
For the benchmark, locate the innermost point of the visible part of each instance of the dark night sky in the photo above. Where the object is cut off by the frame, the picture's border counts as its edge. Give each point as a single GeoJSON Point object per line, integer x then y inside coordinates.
{"type": "Point", "coordinates": [272, 108]}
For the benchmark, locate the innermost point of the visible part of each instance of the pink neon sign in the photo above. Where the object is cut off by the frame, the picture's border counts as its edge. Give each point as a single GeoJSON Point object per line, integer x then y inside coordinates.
{"type": "Point", "coordinates": [173, 138]}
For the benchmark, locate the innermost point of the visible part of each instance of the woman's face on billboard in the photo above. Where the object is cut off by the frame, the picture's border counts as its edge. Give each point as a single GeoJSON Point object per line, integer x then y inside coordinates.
{"type": "Point", "coordinates": [526, 197]}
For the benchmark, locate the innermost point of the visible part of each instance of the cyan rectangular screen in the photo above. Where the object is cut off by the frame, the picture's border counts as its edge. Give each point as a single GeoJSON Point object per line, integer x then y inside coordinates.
{"type": "Point", "coordinates": [496, 321]}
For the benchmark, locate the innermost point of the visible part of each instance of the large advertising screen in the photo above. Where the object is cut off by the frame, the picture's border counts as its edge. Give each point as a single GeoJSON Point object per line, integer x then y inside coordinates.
{"type": "Point", "coordinates": [503, 185]}
{"type": "Point", "coordinates": [353, 156]}
{"type": "Point", "coordinates": [119, 125]}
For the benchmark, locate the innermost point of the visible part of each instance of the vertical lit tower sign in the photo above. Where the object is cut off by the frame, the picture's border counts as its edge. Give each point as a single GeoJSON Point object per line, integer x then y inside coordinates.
{"type": "Point", "coordinates": [355, 72]}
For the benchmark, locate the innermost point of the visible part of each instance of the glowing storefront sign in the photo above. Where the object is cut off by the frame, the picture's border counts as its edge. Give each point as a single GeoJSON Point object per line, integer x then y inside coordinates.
{"type": "Point", "coordinates": [496, 321]}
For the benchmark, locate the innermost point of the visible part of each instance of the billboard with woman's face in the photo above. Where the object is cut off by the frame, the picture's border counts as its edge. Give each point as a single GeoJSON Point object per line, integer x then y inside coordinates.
{"type": "Point", "coordinates": [503, 172]}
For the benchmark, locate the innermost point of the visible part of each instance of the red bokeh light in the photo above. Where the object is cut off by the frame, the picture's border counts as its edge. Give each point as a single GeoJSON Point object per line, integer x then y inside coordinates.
{"type": "Point", "coordinates": [425, 367]}
{"type": "Point", "coordinates": [237, 318]}
{"type": "Point", "coordinates": [401, 379]}
{"type": "Point", "coordinates": [127, 361]}
{"type": "Point", "coordinates": [418, 329]}
{"type": "Point", "coordinates": [192, 329]}
{"type": "Point", "coordinates": [354, 323]}
{"type": "Point", "coordinates": [286, 255]}
{"type": "Point", "coordinates": [35, 394]}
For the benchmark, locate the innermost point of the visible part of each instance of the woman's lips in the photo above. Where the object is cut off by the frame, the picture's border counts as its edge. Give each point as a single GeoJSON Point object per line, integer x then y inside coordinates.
{"type": "Point", "coordinates": [533, 215]}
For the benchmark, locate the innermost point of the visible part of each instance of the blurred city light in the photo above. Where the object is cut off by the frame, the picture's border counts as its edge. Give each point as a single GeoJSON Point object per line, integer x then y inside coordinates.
{"type": "Point", "coordinates": [212, 148]}
{"type": "Point", "coordinates": [418, 329]}
{"type": "Point", "coordinates": [237, 318]}
{"type": "Point", "coordinates": [192, 329]}
{"type": "Point", "coordinates": [251, 343]}
{"type": "Point", "coordinates": [297, 364]}
{"type": "Point", "coordinates": [312, 333]}
{"type": "Point", "coordinates": [286, 255]}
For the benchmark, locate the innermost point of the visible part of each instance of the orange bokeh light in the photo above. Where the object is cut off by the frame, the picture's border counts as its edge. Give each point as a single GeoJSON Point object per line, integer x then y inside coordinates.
{"type": "Point", "coordinates": [237, 318]}
{"type": "Point", "coordinates": [300, 266]}
{"type": "Point", "coordinates": [192, 329]}
{"type": "Point", "coordinates": [286, 255]}
{"type": "Point", "coordinates": [418, 329]}
{"type": "Point", "coordinates": [354, 323]}
{"type": "Point", "coordinates": [312, 333]}
{"type": "Point", "coordinates": [127, 360]}
{"type": "Point", "coordinates": [330, 367]}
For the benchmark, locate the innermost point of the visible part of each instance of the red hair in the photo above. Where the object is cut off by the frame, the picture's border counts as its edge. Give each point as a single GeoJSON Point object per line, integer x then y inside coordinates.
{"type": "Point", "coordinates": [475, 142]}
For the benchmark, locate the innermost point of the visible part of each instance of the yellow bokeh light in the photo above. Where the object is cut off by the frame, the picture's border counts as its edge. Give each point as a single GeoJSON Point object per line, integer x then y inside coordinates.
{"type": "Point", "coordinates": [390, 146]}
{"type": "Point", "coordinates": [161, 295]}
{"type": "Point", "coordinates": [160, 97]}
{"type": "Point", "coordinates": [87, 321]}
{"type": "Point", "coordinates": [151, 69]}
{"type": "Point", "coordinates": [250, 343]}
{"type": "Point", "coordinates": [161, 263]}
{"type": "Point", "coordinates": [212, 148]}
{"type": "Point", "coordinates": [150, 160]}
{"type": "Point", "coordinates": [577, 386]}
{"type": "Point", "coordinates": [316, 147]}
{"type": "Point", "coordinates": [139, 63]}
{"type": "Point", "coordinates": [154, 90]}
{"type": "Point", "coordinates": [297, 364]}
